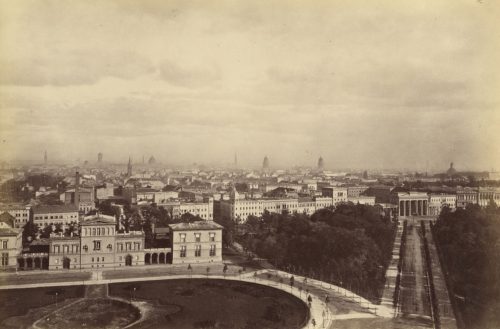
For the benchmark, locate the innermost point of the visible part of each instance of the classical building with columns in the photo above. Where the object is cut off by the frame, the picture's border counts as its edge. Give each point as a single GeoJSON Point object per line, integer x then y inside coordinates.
{"type": "Point", "coordinates": [411, 203]}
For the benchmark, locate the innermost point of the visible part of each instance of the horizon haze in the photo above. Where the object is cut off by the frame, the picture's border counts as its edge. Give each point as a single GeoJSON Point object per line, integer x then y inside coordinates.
{"type": "Point", "coordinates": [362, 84]}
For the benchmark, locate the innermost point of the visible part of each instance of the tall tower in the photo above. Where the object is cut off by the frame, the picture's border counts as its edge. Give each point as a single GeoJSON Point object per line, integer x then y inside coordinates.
{"type": "Point", "coordinates": [321, 163]}
{"type": "Point", "coordinates": [129, 167]}
{"type": "Point", "coordinates": [235, 160]}
{"type": "Point", "coordinates": [99, 157]}
{"type": "Point", "coordinates": [77, 190]}
{"type": "Point", "coordinates": [45, 159]}
{"type": "Point", "coordinates": [265, 163]}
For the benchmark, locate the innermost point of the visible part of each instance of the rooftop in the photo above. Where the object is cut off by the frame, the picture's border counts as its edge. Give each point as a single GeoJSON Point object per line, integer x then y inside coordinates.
{"type": "Point", "coordinates": [196, 226]}
{"type": "Point", "coordinates": [98, 219]}
{"type": "Point", "coordinates": [45, 209]}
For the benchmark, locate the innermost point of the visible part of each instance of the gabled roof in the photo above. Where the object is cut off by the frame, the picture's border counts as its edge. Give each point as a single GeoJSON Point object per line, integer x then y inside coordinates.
{"type": "Point", "coordinates": [7, 219]}
{"type": "Point", "coordinates": [196, 226]}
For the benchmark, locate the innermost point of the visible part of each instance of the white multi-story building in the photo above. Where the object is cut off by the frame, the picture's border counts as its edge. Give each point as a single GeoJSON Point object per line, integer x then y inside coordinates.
{"type": "Point", "coordinates": [20, 212]}
{"type": "Point", "coordinates": [204, 209]}
{"type": "Point", "coordinates": [362, 199]}
{"type": "Point", "coordinates": [438, 201]}
{"type": "Point", "coordinates": [196, 242]}
{"type": "Point", "coordinates": [238, 209]}
{"type": "Point", "coordinates": [338, 194]}
{"type": "Point", "coordinates": [487, 194]}
{"type": "Point", "coordinates": [60, 214]}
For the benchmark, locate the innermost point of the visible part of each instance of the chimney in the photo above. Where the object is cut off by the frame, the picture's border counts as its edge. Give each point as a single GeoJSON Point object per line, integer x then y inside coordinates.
{"type": "Point", "coordinates": [77, 190]}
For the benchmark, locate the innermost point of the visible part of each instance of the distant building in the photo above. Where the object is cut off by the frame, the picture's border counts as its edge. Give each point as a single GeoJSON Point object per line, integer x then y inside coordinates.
{"type": "Point", "coordinates": [321, 163]}
{"type": "Point", "coordinates": [151, 161]}
{"type": "Point", "coordinates": [238, 208]}
{"type": "Point", "coordinates": [20, 213]}
{"type": "Point", "coordinates": [45, 158]}
{"type": "Point", "coordinates": [57, 214]}
{"type": "Point", "coordinates": [466, 196]}
{"type": "Point", "coordinates": [338, 194]}
{"type": "Point", "coordinates": [362, 199]}
{"type": "Point", "coordinates": [451, 171]}
{"type": "Point", "coordinates": [129, 167]}
{"type": "Point", "coordinates": [99, 157]}
{"type": "Point", "coordinates": [265, 164]}
{"type": "Point", "coordinates": [10, 241]}
{"type": "Point", "coordinates": [411, 203]}
{"type": "Point", "coordinates": [356, 191]}
{"type": "Point", "coordinates": [485, 195]}
{"type": "Point", "coordinates": [196, 242]}
{"type": "Point", "coordinates": [437, 201]}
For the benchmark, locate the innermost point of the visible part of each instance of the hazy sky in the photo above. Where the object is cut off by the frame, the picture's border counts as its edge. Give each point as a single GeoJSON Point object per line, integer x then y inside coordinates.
{"type": "Point", "coordinates": [365, 84]}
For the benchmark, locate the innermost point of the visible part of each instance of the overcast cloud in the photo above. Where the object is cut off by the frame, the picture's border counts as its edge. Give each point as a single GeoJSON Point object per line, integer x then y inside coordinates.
{"type": "Point", "coordinates": [365, 84]}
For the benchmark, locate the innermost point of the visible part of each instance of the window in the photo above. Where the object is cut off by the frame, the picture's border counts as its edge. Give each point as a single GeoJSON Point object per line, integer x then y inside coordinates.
{"type": "Point", "coordinates": [5, 259]}
{"type": "Point", "coordinates": [97, 245]}
{"type": "Point", "coordinates": [197, 237]}
{"type": "Point", "coordinates": [183, 237]}
{"type": "Point", "coordinates": [183, 251]}
{"type": "Point", "coordinates": [212, 250]}
{"type": "Point", "coordinates": [85, 248]}
{"type": "Point", "coordinates": [4, 244]}
{"type": "Point", "coordinates": [212, 237]}
{"type": "Point", "coordinates": [197, 251]}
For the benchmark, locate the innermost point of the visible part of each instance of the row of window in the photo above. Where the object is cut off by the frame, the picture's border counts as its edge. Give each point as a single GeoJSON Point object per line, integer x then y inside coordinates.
{"type": "Point", "coordinates": [74, 248]}
{"type": "Point", "coordinates": [197, 251]}
{"type": "Point", "coordinates": [55, 217]}
{"type": "Point", "coordinates": [197, 237]}
{"type": "Point", "coordinates": [96, 231]}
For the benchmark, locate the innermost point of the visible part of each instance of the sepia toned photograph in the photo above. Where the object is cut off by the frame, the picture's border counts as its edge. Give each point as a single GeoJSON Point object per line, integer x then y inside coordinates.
{"type": "Point", "coordinates": [238, 164]}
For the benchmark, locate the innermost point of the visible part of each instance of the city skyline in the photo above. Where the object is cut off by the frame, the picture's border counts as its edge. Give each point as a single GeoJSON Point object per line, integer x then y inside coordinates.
{"type": "Point", "coordinates": [364, 86]}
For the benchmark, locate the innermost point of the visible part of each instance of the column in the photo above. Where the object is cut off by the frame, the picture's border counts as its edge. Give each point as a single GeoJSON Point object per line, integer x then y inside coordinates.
{"type": "Point", "coordinates": [409, 208]}
{"type": "Point", "coordinates": [401, 209]}
{"type": "Point", "coordinates": [421, 207]}
{"type": "Point", "coordinates": [426, 207]}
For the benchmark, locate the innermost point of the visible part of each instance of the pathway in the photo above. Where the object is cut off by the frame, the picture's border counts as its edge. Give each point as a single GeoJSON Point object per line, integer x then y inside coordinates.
{"type": "Point", "coordinates": [392, 270]}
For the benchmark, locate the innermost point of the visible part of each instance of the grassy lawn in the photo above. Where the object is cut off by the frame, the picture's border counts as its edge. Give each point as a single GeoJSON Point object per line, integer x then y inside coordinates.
{"type": "Point", "coordinates": [17, 302]}
{"type": "Point", "coordinates": [92, 313]}
{"type": "Point", "coordinates": [200, 303]}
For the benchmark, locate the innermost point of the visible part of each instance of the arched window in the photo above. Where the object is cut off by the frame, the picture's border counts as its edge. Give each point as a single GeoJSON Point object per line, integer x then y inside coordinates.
{"type": "Point", "coordinates": [85, 248]}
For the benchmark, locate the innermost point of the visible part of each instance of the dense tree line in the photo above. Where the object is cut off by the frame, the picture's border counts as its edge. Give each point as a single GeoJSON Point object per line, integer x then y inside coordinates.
{"type": "Point", "coordinates": [350, 246]}
{"type": "Point", "coordinates": [469, 245]}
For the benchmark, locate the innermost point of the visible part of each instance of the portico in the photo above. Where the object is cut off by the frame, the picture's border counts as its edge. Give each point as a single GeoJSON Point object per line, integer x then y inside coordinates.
{"type": "Point", "coordinates": [412, 203]}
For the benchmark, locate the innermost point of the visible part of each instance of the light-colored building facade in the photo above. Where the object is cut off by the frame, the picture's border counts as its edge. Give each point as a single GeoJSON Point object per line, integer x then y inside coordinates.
{"type": "Point", "coordinates": [337, 193]}
{"type": "Point", "coordinates": [438, 201]}
{"type": "Point", "coordinates": [411, 203]}
{"type": "Point", "coordinates": [356, 191]}
{"type": "Point", "coordinates": [57, 214]}
{"type": "Point", "coordinates": [466, 196]}
{"type": "Point", "coordinates": [196, 242]}
{"type": "Point", "coordinates": [84, 198]}
{"type": "Point", "coordinates": [362, 199]}
{"type": "Point", "coordinates": [98, 246]}
{"type": "Point", "coordinates": [10, 242]}
{"type": "Point", "coordinates": [239, 209]}
{"type": "Point", "coordinates": [487, 194]}
{"type": "Point", "coordinates": [20, 212]}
